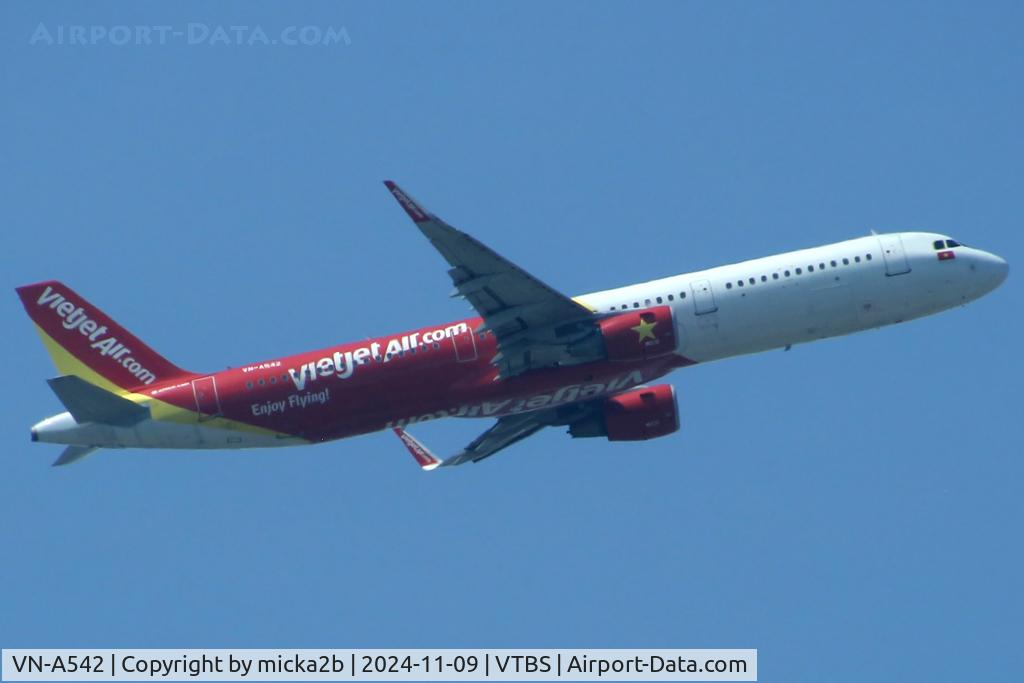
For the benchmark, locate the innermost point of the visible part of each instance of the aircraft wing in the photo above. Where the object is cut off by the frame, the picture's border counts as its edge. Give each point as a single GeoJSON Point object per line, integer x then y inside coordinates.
{"type": "Point", "coordinates": [505, 432]}
{"type": "Point", "coordinates": [533, 323]}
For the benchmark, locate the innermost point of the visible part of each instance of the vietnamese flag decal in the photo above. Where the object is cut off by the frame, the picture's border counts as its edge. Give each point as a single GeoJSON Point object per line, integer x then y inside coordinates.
{"type": "Point", "coordinates": [946, 255]}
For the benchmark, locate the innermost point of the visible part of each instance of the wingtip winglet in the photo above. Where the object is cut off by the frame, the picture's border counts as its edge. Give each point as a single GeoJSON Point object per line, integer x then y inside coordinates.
{"type": "Point", "coordinates": [416, 212]}
{"type": "Point", "coordinates": [424, 458]}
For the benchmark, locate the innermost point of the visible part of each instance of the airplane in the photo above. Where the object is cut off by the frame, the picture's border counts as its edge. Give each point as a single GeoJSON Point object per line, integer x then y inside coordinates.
{"type": "Point", "coordinates": [532, 357]}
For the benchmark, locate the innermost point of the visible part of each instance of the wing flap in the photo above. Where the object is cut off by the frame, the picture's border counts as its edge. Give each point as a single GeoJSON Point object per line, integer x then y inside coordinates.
{"type": "Point", "coordinates": [505, 432]}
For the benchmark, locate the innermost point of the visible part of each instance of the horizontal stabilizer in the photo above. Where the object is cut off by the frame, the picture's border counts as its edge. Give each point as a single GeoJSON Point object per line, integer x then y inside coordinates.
{"type": "Point", "coordinates": [73, 454]}
{"type": "Point", "coordinates": [89, 403]}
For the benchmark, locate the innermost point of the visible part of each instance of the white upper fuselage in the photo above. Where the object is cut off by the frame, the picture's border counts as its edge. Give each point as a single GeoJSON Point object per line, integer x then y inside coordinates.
{"type": "Point", "coordinates": [800, 296]}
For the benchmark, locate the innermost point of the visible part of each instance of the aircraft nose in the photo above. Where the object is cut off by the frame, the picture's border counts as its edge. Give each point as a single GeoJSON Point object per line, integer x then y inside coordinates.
{"type": "Point", "coordinates": [998, 269]}
{"type": "Point", "coordinates": [992, 269]}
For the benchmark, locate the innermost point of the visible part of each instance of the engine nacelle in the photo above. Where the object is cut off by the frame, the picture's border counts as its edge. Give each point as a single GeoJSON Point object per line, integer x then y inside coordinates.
{"type": "Point", "coordinates": [639, 335]}
{"type": "Point", "coordinates": [637, 415]}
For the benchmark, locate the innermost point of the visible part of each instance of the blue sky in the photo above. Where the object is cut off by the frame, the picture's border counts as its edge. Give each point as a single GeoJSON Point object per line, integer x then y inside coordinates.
{"type": "Point", "coordinates": [851, 508]}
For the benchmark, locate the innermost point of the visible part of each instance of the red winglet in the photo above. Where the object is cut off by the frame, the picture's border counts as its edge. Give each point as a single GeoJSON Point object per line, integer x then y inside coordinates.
{"type": "Point", "coordinates": [423, 456]}
{"type": "Point", "coordinates": [416, 212]}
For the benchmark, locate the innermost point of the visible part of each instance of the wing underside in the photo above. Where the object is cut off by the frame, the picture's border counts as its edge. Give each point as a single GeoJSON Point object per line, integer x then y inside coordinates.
{"type": "Point", "coordinates": [502, 434]}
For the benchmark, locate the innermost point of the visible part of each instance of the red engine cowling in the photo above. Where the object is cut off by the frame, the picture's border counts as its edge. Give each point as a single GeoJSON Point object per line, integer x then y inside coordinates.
{"type": "Point", "coordinates": [639, 335]}
{"type": "Point", "coordinates": [637, 415]}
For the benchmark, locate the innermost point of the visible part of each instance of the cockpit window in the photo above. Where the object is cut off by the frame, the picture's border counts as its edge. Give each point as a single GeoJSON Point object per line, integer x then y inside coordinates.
{"type": "Point", "coordinates": [952, 243]}
{"type": "Point", "coordinates": [938, 244]}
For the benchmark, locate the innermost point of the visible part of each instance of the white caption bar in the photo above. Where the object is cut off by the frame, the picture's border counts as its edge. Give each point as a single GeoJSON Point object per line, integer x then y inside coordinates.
{"type": "Point", "coordinates": [379, 665]}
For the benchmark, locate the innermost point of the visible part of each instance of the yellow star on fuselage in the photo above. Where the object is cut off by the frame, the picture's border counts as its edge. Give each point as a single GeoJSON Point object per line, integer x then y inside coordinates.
{"type": "Point", "coordinates": [645, 330]}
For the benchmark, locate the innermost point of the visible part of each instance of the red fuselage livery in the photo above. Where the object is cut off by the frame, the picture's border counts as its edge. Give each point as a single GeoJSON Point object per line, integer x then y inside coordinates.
{"type": "Point", "coordinates": [532, 357]}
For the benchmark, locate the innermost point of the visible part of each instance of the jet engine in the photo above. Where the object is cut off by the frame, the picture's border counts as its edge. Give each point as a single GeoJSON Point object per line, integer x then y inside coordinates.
{"type": "Point", "coordinates": [639, 335]}
{"type": "Point", "coordinates": [637, 415]}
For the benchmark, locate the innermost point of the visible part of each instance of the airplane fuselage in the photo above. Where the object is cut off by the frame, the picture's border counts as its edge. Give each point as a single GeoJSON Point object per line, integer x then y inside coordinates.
{"type": "Point", "coordinates": [447, 371]}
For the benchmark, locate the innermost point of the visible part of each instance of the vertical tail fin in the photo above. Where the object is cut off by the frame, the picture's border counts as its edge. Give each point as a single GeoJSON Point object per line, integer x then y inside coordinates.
{"type": "Point", "coordinates": [84, 341]}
